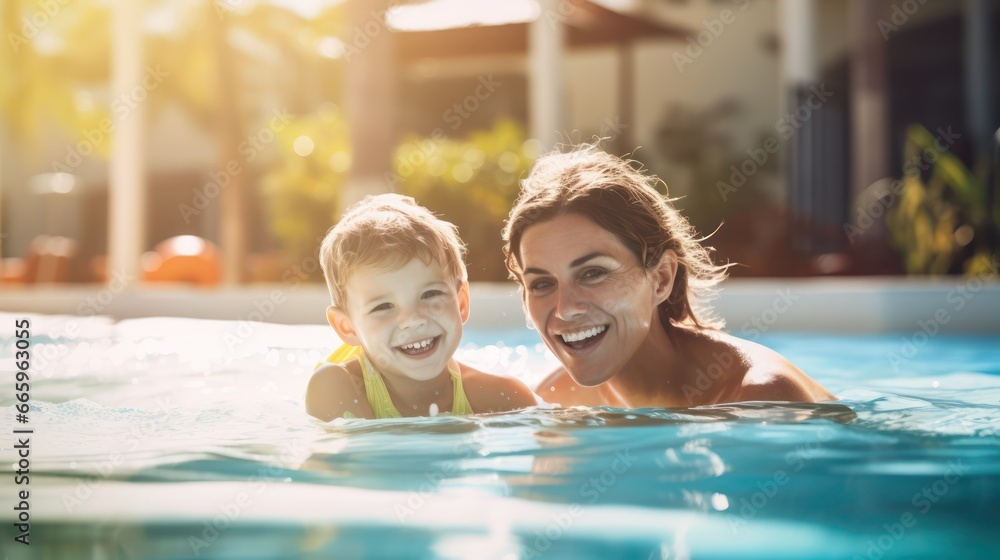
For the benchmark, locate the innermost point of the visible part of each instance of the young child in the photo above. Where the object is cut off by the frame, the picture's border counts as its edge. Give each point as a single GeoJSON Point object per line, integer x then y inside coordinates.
{"type": "Point", "coordinates": [400, 295]}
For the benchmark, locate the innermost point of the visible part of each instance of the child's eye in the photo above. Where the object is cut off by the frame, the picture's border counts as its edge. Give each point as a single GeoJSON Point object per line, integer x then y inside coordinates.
{"type": "Point", "coordinates": [433, 293]}
{"type": "Point", "coordinates": [382, 307]}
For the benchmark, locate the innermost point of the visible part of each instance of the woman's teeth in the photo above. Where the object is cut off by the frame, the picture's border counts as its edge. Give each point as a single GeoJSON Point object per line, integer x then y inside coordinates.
{"type": "Point", "coordinates": [583, 335]}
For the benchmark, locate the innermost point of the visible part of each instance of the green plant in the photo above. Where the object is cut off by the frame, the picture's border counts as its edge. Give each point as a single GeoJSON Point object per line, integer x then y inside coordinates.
{"type": "Point", "coordinates": [303, 190]}
{"type": "Point", "coordinates": [470, 182]}
{"type": "Point", "coordinates": [943, 221]}
{"type": "Point", "coordinates": [48, 63]}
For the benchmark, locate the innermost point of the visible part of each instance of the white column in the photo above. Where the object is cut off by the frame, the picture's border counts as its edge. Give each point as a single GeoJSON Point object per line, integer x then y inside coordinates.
{"type": "Point", "coordinates": [127, 176]}
{"type": "Point", "coordinates": [869, 99]}
{"type": "Point", "coordinates": [546, 42]}
{"type": "Point", "coordinates": [798, 30]}
{"type": "Point", "coordinates": [798, 72]}
{"type": "Point", "coordinates": [979, 84]}
{"type": "Point", "coordinates": [372, 105]}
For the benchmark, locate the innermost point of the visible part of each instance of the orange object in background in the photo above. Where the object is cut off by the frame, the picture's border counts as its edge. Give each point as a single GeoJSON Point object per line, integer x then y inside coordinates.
{"type": "Point", "coordinates": [47, 260]}
{"type": "Point", "coordinates": [99, 268]}
{"type": "Point", "coordinates": [185, 258]}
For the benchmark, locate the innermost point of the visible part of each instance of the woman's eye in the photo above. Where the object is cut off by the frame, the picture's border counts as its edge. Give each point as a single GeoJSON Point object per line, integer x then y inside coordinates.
{"type": "Point", "coordinates": [540, 285]}
{"type": "Point", "coordinates": [593, 273]}
{"type": "Point", "coordinates": [382, 307]}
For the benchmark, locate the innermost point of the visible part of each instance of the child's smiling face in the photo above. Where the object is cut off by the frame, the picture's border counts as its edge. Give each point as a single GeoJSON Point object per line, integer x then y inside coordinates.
{"type": "Point", "coordinates": [409, 319]}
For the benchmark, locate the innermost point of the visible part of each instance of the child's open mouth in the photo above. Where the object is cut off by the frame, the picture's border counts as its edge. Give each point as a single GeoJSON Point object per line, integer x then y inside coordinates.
{"type": "Point", "coordinates": [584, 338]}
{"type": "Point", "coordinates": [420, 348]}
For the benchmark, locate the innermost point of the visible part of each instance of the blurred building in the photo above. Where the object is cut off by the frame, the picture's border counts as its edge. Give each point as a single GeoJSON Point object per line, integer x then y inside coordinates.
{"type": "Point", "coordinates": [773, 116]}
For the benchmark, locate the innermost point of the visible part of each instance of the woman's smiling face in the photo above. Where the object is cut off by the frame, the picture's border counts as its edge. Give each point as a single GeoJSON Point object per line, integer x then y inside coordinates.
{"type": "Point", "coordinates": [587, 295]}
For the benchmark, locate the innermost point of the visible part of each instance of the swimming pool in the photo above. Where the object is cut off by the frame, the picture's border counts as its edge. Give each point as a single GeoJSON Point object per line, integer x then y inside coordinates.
{"type": "Point", "coordinates": [163, 438]}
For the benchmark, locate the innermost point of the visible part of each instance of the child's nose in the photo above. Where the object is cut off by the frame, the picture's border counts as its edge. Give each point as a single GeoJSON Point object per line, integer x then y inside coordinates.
{"type": "Point", "coordinates": [414, 319]}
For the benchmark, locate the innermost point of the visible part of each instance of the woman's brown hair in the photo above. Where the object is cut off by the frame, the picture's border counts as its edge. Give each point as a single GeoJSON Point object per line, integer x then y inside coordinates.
{"type": "Point", "coordinates": [622, 199]}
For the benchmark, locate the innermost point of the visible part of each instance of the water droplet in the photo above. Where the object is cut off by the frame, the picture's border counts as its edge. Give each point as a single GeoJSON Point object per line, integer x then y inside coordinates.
{"type": "Point", "coordinates": [720, 502]}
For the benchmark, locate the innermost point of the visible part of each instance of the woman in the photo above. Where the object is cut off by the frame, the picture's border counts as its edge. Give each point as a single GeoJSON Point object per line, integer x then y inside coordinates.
{"type": "Point", "coordinates": [614, 280]}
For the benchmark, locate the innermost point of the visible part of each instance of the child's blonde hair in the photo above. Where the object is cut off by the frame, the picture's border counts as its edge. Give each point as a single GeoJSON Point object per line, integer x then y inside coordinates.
{"type": "Point", "coordinates": [388, 230]}
{"type": "Point", "coordinates": [621, 199]}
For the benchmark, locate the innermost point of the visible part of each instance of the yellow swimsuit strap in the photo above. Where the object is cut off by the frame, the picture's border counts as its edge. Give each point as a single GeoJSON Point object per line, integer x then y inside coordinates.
{"type": "Point", "coordinates": [378, 394]}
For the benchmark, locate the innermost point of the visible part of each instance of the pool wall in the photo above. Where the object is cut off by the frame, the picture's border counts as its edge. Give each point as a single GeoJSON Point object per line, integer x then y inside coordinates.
{"type": "Point", "coordinates": [749, 306]}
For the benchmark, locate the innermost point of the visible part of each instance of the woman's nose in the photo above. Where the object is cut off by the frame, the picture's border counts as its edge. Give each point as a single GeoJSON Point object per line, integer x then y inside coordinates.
{"type": "Point", "coordinates": [570, 304]}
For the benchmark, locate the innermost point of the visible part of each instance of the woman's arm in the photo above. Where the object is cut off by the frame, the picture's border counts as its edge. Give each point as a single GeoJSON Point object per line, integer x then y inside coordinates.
{"type": "Point", "coordinates": [782, 386]}
{"type": "Point", "coordinates": [772, 377]}
{"type": "Point", "coordinates": [488, 393]}
{"type": "Point", "coordinates": [559, 388]}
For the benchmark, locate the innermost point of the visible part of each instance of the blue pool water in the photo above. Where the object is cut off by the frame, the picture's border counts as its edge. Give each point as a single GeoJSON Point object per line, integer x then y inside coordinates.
{"type": "Point", "coordinates": [165, 438]}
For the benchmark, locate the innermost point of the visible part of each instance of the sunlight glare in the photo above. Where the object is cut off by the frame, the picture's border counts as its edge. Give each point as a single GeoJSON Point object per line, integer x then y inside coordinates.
{"type": "Point", "coordinates": [449, 14]}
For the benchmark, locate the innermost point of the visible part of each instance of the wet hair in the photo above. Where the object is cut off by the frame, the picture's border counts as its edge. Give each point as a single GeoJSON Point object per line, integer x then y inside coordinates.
{"type": "Point", "coordinates": [618, 196]}
{"type": "Point", "coordinates": [388, 230]}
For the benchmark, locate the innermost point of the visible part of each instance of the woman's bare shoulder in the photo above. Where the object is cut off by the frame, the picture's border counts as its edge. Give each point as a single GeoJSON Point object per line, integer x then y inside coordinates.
{"type": "Point", "coordinates": [772, 377]}
{"type": "Point", "coordinates": [488, 392]}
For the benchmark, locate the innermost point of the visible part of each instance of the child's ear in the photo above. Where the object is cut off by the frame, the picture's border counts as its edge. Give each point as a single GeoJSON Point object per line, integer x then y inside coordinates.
{"type": "Point", "coordinates": [341, 322]}
{"type": "Point", "coordinates": [663, 277]}
{"type": "Point", "coordinates": [464, 305]}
